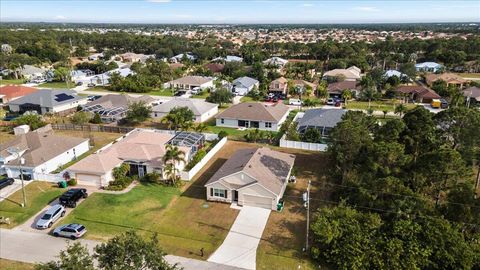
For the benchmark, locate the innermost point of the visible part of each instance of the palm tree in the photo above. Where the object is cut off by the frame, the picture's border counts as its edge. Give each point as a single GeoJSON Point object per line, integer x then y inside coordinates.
{"type": "Point", "coordinates": [171, 120]}
{"type": "Point", "coordinates": [400, 110]}
{"type": "Point", "coordinates": [346, 95]}
{"type": "Point", "coordinates": [200, 128]}
{"type": "Point", "coordinates": [172, 157]}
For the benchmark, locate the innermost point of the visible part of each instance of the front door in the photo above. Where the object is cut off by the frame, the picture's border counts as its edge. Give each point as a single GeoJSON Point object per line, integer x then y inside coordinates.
{"type": "Point", "coordinates": [235, 196]}
{"type": "Point", "coordinates": [141, 171]}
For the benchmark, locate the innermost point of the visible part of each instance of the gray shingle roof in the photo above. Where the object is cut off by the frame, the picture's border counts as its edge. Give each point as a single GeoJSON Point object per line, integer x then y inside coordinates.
{"type": "Point", "coordinates": [197, 106]}
{"type": "Point", "coordinates": [49, 98]}
{"type": "Point", "coordinates": [255, 111]}
{"type": "Point", "coordinates": [321, 118]}
{"type": "Point", "coordinates": [246, 82]}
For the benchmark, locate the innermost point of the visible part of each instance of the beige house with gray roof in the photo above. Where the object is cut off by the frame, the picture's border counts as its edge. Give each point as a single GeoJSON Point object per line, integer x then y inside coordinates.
{"type": "Point", "coordinates": [190, 82]}
{"type": "Point", "coordinates": [252, 177]}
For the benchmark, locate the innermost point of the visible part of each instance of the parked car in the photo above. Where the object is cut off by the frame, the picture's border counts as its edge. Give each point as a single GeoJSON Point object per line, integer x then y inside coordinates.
{"type": "Point", "coordinates": [331, 101]}
{"type": "Point", "coordinates": [72, 196]}
{"type": "Point", "coordinates": [79, 84]}
{"type": "Point", "coordinates": [92, 98]}
{"type": "Point", "coordinates": [91, 85]}
{"type": "Point", "coordinates": [52, 215]}
{"type": "Point", "coordinates": [196, 90]}
{"type": "Point", "coordinates": [72, 231]}
{"type": "Point", "coordinates": [443, 104]}
{"type": "Point", "coordinates": [295, 101]}
{"type": "Point", "coordinates": [6, 182]}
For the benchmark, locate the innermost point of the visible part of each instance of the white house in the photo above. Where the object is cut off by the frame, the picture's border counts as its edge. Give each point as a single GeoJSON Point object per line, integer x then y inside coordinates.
{"type": "Point", "coordinates": [350, 74]}
{"type": "Point", "coordinates": [190, 82]}
{"type": "Point", "coordinates": [202, 110]}
{"type": "Point", "coordinates": [253, 115]}
{"type": "Point", "coordinates": [179, 57]}
{"type": "Point", "coordinates": [241, 86]}
{"type": "Point", "coordinates": [48, 101]}
{"type": "Point", "coordinates": [276, 62]}
{"type": "Point", "coordinates": [428, 67]}
{"type": "Point", "coordinates": [252, 177]}
{"type": "Point", "coordinates": [39, 153]}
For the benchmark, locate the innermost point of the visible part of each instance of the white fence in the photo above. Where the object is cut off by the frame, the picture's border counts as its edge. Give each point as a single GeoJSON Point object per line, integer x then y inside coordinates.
{"type": "Point", "coordinates": [48, 177]}
{"type": "Point", "coordinates": [321, 147]}
{"type": "Point", "coordinates": [190, 174]}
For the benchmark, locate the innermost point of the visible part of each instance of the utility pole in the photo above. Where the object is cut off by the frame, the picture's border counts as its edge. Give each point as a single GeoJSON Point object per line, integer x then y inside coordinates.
{"type": "Point", "coordinates": [307, 205]}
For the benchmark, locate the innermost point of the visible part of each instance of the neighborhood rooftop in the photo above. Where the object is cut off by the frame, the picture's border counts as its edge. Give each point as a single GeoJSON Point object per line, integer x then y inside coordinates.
{"type": "Point", "coordinates": [255, 111]}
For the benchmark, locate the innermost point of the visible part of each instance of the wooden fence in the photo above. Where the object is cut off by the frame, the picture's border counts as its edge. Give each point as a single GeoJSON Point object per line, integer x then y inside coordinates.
{"type": "Point", "coordinates": [92, 128]}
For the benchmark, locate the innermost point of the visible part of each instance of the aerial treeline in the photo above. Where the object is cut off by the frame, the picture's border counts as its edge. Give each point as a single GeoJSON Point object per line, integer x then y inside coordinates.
{"type": "Point", "coordinates": [403, 194]}
{"type": "Point", "coordinates": [53, 46]}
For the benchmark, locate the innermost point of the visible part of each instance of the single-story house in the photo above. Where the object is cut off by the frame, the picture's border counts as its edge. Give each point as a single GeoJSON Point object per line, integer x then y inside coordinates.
{"type": "Point", "coordinates": [279, 86]}
{"type": "Point", "coordinates": [12, 92]}
{"type": "Point", "coordinates": [391, 72]}
{"type": "Point", "coordinates": [253, 115]}
{"type": "Point", "coordinates": [322, 119]}
{"type": "Point", "coordinates": [252, 177]}
{"type": "Point", "coordinates": [228, 58]}
{"type": "Point", "coordinates": [336, 89]}
{"type": "Point", "coordinates": [449, 78]}
{"type": "Point", "coordinates": [428, 67]}
{"type": "Point", "coordinates": [95, 56]}
{"type": "Point", "coordinates": [472, 93]}
{"type": "Point", "coordinates": [215, 67]}
{"type": "Point", "coordinates": [241, 86]}
{"type": "Point", "coordinates": [275, 62]}
{"type": "Point", "coordinates": [130, 57]}
{"type": "Point", "coordinates": [141, 149]}
{"type": "Point", "coordinates": [39, 153]}
{"type": "Point", "coordinates": [305, 85]}
{"type": "Point", "coordinates": [48, 101]}
{"type": "Point", "coordinates": [190, 82]}
{"type": "Point", "coordinates": [418, 93]}
{"type": "Point", "coordinates": [30, 72]}
{"type": "Point", "coordinates": [350, 74]}
{"type": "Point", "coordinates": [179, 57]}
{"type": "Point", "coordinates": [202, 110]}
{"type": "Point", "coordinates": [113, 107]}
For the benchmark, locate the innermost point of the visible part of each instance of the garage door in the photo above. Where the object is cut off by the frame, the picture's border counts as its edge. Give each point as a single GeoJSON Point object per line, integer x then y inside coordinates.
{"type": "Point", "coordinates": [88, 179]}
{"type": "Point", "coordinates": [257, 201]}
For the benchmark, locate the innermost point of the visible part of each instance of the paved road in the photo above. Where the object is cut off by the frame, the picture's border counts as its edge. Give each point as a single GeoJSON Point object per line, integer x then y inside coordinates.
{"type": "Point", "coordinates": [239, 249]}
{"type": "Point", "coordinates": [34, 247]}
{"type": "Point", "coordinates": [9, 190]}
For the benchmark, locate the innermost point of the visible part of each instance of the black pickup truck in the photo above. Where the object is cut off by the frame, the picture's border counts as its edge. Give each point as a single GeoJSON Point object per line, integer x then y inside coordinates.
{"type": "Point", "coordinates": [72, 196]}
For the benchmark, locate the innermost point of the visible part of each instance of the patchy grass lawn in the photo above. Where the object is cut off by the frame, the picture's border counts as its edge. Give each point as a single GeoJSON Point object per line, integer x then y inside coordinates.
{"type": "Point", "coordinates": [106, 215]}
{"type": "Point", "coordinates": [39, 194]}
{"type": "Point", "coordinates": [14, 265]}
{"type": "Point", "coordinates": [11, 81]}
{"type": "Point", "coordinates": [161, 92]}
{"type": "Point", "coordinates": [6, 134]}
{"type": "Point", "coordinates": [203, 95]}
{"type": "Point", "coordinates": [233, 133]}
{"type": "Point", "coordinates": [284, 236]}
{"type": "Point", "coordinates": [97, 139]}
{"type": "Point", "coordinates": [57, 85]}
{"type": "Point", "coordinates": [376, 105]}
{"type": "Point", "coordinates": [469, 75]}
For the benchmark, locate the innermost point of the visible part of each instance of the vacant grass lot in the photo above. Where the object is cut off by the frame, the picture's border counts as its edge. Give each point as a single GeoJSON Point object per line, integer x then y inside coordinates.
{"type": "Point", "coordinates": [161, 92]}
{"type": "Point", "coordinates": [11, 81]}
{"type": "Point", "coordinates": [57, 85]}
{"type": "Point", "coordinates": [106, 215]}
{"type": "Point", "coordinates": [469, 75]}
{"type": "Point", "coordinates": [39, 194]}
{"type": "Point", "coordinates": [376, 105]}
{"type": "Point", "coordinates": [14, 265]}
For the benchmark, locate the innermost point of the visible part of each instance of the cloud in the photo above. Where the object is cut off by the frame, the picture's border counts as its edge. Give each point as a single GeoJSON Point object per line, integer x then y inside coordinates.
{"type": "Point", "coordinates": [307, 5]}
{"type": "Point", "coordinates": [158, 1]}
{"type": "Point", "coordinates": [367, 9]}
{"type": "Point", "coordinates": [60, 17]}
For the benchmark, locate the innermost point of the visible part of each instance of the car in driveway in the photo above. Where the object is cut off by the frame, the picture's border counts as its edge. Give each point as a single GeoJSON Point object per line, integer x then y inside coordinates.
{"type": "Point", "coordinates": [52, 215]}
{"type": "Point", "coordinates": [6, 182]}
{"type": "Point", "coordinates": [72, 196]}
{"type": "Point", "coordinates": [72, 231]}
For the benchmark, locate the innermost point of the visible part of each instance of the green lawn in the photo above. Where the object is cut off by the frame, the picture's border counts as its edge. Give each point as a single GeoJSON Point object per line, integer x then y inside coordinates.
{"type": "Point", "coordinates": [14, 265]}
{"type": "Point", "coordinates": [12, 81]}
{"type": "Point", "coordinates": [203, 95]}
{"type": "Point", "coordinates": [233, 133]}
{"type": "Point", "coordinates": [247, 99]}
{"type": "Point", "coordinates": [469, 75]}
{"type": "Point", "coordinates": [57, 85]}
{"type": "Point", "coordinates": [376, 105]}
{"type": "Point", "coordinates": [39, 194]}
{"type": "Point", "coordinates": [163, 92]}
{"type": "Point", "coordinates": [106, 215]}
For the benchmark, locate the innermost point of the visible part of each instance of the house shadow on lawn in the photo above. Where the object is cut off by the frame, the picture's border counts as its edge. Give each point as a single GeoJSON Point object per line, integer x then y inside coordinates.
{"type": "Point", "coordinates": [197, 190]}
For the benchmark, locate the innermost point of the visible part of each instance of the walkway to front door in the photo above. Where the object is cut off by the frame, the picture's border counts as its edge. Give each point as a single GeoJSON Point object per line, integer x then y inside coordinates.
{"type": "Point", "coordinates": [239, 248]}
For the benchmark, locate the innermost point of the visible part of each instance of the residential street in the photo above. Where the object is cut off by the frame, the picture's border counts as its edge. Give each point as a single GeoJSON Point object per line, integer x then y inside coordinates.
{"type": "Point", "coordinates": [239, 248]}
{"type": "Point", "coordinates": [31, 247]}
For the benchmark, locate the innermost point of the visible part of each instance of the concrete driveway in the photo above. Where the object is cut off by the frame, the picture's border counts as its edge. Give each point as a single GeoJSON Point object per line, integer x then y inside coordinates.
{"type": "Point", "coordinates": [239, 249]}
{"type": "Point", "coordinates": [9, 190]}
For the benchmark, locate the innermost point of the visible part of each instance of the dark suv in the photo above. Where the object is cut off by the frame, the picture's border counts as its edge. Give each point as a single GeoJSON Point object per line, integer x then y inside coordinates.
{"type": "Point", "coordinates": [72, 196]}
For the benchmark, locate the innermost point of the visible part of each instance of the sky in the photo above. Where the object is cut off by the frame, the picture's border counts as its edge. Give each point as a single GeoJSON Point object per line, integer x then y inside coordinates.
{"type": "Point", "coordinates": [243, 12]}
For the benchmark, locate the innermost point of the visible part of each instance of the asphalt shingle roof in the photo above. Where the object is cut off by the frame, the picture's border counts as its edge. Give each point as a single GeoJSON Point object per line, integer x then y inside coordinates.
{"type": "Point", "coordinates": [255, 111]}
{"type": "Point", "coordinates": [321, 118]}
{"type": "Point", "coordinates": [197, 106]}
{"type": "Point", "coordinates": [49, 98]}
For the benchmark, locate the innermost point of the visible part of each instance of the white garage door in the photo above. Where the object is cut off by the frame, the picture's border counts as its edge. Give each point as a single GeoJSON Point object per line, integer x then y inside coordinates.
{"type": "Point", "coordinates": [257, 201]}
{"type": "Point", "coordinates": [88, 179]}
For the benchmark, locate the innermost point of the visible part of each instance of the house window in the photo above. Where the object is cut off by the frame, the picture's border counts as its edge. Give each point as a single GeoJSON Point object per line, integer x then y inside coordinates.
{"type": "Point", "coordinates": [268, 124]}
{"type": "Point", "coordinates": [222, 193]}
{"type": "Point", "coordinates": [155, 114]}
{"type": "Point", "coordinates": [222, 121]}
